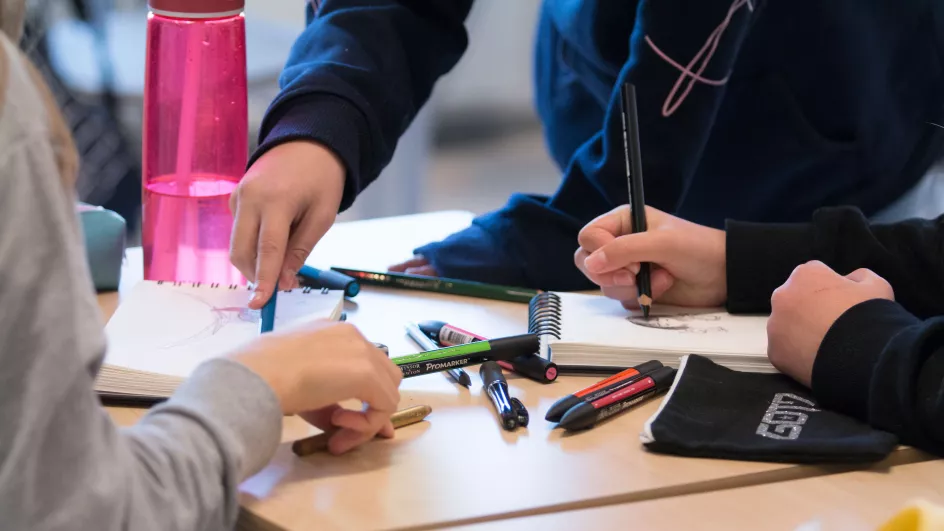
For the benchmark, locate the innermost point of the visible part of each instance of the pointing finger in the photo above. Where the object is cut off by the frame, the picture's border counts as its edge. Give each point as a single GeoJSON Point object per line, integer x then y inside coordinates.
{"type": "Point", "coordinates": [627, 250]}
{"type": "Point", "coordinates": [270, 253]}
{"type": "Point", "coordinates": [242, 251]}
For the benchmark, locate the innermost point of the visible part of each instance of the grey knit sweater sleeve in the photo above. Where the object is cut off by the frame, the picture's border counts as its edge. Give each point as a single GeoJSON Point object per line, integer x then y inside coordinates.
{"type": "Point", "coordinates": [63, 463]}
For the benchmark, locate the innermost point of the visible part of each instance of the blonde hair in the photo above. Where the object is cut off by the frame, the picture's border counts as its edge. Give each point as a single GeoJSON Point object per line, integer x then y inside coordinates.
{"type": "Point", "coordinates": [12, 13]}
{"type": "Point", "coordinates": [11, 18]}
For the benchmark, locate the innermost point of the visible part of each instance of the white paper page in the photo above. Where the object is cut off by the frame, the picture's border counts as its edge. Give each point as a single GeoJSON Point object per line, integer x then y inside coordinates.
{"type": "Point", "coordinates": [597, 320]}
{"type": "Point", "coordinates": [169, 329]}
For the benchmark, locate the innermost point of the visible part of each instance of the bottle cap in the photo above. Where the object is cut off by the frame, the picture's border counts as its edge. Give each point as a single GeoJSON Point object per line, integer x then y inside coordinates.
{"type": "Point", "coordinates": [197, 8]}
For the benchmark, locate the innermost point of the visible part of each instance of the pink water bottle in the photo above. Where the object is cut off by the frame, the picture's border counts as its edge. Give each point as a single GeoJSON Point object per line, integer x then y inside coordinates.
{"type": "Point", "coordinates": [195, 137]}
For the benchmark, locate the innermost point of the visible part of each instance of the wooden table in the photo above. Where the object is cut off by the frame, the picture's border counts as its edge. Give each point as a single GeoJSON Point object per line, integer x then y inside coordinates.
{"type": "Point", "coordinates": [844, 502]}
{"type": "Point", "coordinates": [460, 466]}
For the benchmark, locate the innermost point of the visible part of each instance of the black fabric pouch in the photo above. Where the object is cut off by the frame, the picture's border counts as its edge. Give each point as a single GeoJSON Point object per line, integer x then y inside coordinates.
{"type": "Point", "coordinates": [713, 411]}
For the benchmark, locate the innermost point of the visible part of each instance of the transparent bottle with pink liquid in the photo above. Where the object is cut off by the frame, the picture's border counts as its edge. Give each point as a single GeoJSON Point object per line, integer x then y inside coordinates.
{"type": "Point", "coordinates": [195, 137]}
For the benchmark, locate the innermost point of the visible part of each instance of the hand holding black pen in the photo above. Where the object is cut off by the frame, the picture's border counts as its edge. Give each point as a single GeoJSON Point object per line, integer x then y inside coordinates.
{"type": "Point", "coordinates": [511, 411]}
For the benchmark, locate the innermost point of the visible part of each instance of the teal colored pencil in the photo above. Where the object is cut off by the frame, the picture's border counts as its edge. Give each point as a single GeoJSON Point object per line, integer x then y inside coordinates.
{"type": "Point", "coordinates": [267, 315]}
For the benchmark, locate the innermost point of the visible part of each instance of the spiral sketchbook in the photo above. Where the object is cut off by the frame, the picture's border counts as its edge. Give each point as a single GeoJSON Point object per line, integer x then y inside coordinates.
{"type": "Point", "coordinates": [591, 333]}
{"type": "Point", "coordinates": [164, 330]}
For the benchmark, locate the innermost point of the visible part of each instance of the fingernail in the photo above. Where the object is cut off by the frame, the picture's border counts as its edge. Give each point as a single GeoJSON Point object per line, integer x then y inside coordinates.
{"type": "Point", "coordinates": [624, 278]}
{"type": "Point", "coordinates": [634, 268]}
{"type": "Point", "coordinates": [288, 279]}
{"type": "Point", "coordinates": [596, 262]}
{"type": "Point", "coordinates": [258, 297]}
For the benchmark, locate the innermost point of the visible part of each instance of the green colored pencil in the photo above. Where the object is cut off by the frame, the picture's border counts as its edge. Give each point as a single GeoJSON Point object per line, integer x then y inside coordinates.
{"type": "Point", "coordinates": [451, 286]}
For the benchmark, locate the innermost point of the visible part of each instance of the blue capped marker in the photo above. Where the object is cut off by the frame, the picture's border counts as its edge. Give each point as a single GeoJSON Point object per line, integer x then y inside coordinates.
{"type": "Point", "coordinates": [325, 278]}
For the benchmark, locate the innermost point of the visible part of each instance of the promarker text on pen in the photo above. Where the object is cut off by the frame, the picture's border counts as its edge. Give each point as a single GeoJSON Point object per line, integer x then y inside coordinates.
{"type": "Point", "coordinates": [460, 376]}
{"type": "Point", "coordinates": [637, 198]}
{"type": "Point", "coordinates": [529, 365]}
{"type": "Point", "coordinates": [464, 355]}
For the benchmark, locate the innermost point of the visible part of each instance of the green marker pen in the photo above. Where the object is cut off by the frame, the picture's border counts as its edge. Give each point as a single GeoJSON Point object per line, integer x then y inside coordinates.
{"type": "Point", "coordinates": [443, 359]}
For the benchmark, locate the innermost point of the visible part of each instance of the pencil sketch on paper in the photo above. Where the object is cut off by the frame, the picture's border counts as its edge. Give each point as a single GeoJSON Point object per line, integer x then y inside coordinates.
{"type": "Point", "coordinates": [218, 319]}
{"type": "Point", "coordinates": [688, 323]}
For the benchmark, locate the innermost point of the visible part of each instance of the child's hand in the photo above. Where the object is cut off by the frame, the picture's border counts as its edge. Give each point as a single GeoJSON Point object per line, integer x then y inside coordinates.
{"type": "Point", "coordinates": [418, 265]}
{"type": "Point", "coordinates": [283, 206]}
{"type": "Point", "coordinates": [314, 367]}
{"type": "Point", "coordinates": [688, 260]}
{"type": "Point", "coordinates": [805, 308]}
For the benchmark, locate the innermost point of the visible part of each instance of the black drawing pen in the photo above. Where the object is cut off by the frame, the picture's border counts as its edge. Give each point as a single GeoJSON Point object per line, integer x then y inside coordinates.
{"type": "Point", "coordinates": [510, 410]}
{"type": "Point", "coordinates": [637, 200]}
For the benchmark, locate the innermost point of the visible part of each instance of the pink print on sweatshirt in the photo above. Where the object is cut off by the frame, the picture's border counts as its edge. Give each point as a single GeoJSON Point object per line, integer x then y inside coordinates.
{"type": "Point", "coordinates": [688, 77]}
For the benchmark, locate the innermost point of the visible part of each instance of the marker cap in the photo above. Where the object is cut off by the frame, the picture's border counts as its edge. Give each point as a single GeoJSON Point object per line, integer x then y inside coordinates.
{"type": "Point", "coordinates": [507, 348]}
{"type": "Point", "coordinates": [326, 278]}
{"type": "Point", "coordinates": [431, 329]}
{"type": "Point", "coordinates": [534, 367]}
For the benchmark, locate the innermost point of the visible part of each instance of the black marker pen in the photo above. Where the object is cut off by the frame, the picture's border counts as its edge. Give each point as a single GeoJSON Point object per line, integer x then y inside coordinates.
{"type": "Point", "coordinates": [529, 365]}
{"type": "Point", "coordinates": [504, 348]}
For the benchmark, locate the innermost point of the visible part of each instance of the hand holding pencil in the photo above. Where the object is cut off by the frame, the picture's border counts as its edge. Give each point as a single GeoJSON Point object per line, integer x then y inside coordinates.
{"type": "Point", "coordinates": [621, 261]}
{"type": "Point", "coordinates": [688, 260]}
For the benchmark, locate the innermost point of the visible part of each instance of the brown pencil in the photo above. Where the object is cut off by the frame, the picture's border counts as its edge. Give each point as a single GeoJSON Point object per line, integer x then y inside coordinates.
{"type": "Point", "coordinates": [319, 443]}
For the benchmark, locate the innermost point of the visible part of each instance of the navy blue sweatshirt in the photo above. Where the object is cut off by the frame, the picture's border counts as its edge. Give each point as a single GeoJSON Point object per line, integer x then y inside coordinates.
{"type": "Point", "coordinates": [758, 110]}
{"type": "Point", "coordinates": [881, 361]}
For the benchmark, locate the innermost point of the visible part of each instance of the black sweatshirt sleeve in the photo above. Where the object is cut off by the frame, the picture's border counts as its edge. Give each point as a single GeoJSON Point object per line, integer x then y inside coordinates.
{"type": "Point", "coordinates": [884, 366]}
{"type": "Point", "coordinates": [359, 74]}
{"type": "Point", "coordinates": [908, 254]}
{"type": "Point", "coordinates": [879, 362]}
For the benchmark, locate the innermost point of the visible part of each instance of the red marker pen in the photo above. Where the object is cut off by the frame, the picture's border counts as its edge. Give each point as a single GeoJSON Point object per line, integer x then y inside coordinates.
{"type": "Point", "coordinates": [587, 414]}
{"type": "Point", "coordinates": [600, 389]}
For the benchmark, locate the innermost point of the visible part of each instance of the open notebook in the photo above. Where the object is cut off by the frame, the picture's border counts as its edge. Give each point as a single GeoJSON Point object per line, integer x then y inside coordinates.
{"type": "Point", "coordinates": [164, 330]}
{"type": "Point", "coordinates": [591, 333]}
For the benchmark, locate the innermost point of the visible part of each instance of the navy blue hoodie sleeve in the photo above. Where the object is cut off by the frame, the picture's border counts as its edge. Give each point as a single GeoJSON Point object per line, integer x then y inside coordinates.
{"type": "Point", "coordinates": [531, 241]}
{"type": "Point", "coordinates": [359, 74]}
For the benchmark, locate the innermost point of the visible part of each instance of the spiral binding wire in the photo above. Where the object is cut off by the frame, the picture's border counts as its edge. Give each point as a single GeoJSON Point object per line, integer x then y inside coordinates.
{"type": "Point", "coordinates": [544, 315]}
{"type": "Point", "coordinates": [248, 287]}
